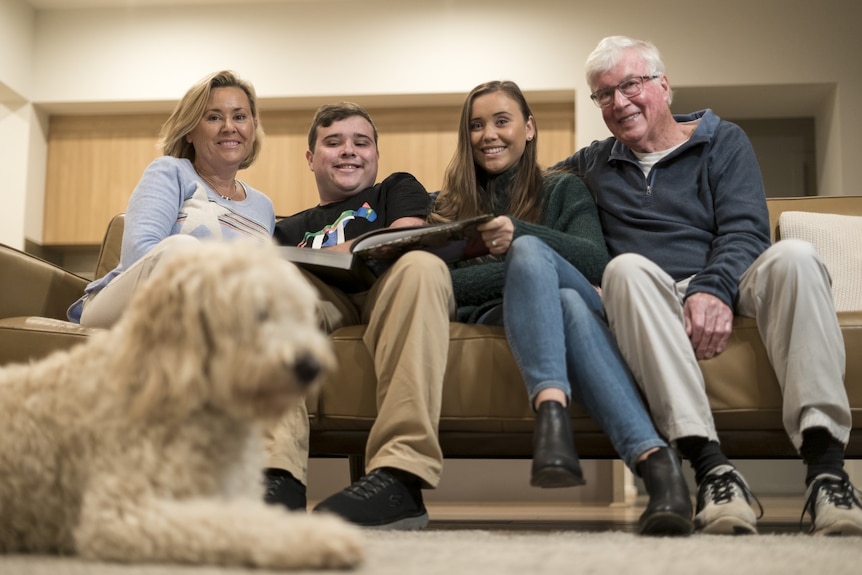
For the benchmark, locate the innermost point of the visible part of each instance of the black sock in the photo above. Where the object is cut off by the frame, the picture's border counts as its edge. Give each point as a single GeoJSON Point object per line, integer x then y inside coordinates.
{"type": "Point", "coordinates": [404, 476]}
{"type": "Point", "coordinates": [822, 453]}
{"type": "Point", "coordinates": [412, 482]}
{"type": "Point", "coordinates": [278, 472]}
{"type": "Point", "coordinates": [703, 455]}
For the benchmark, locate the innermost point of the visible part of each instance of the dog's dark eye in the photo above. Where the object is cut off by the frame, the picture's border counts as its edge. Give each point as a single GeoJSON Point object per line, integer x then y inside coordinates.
{"type": "Point", "coordinates": [263, 315]}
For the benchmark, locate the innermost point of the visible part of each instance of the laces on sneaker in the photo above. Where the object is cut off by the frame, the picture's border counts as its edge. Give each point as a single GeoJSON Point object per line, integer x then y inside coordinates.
{"type": "Point", "coordinates": [283, 488]}
{"type": "Point", "coordinates": [272, 486]}
{"type": "Point", "coordinates": [371, 484]}
{"type": "Point", "coordinates": [383, 498]}
{"type": "Point", "coordinates": [720, 488]}
{"type": "Point", "coordinates": [832, 491]}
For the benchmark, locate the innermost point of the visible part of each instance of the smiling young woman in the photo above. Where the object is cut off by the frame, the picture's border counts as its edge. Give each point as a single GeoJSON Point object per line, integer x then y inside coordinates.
{"type": "Point", "coordinates": [548, 255]}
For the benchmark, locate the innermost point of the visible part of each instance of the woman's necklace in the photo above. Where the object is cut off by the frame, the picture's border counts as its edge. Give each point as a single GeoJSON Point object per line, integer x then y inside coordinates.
{"type": "Point", "coordinates": [210, 183]}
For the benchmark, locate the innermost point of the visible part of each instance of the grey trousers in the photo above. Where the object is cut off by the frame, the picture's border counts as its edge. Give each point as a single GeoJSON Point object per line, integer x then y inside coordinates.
{"type": "Point", "coordinates": [787, 291]}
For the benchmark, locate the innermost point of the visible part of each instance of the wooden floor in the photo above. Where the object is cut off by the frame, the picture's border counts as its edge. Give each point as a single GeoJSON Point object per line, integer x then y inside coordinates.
{"type": "Point", "coordinates": [781, 515]}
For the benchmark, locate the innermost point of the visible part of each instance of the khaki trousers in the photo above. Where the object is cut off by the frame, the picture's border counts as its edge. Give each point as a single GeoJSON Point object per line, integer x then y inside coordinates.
{"type": "Point", "coordinates": [787, 291]}
{"type": "Point", "coordinates": [407, 314]}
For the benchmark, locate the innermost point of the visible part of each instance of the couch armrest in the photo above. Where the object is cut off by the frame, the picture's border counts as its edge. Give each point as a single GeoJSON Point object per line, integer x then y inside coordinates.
{"type": "Point", "coordinates": [112, 244]}
{"type": "Point", "coordinates": [30, 286]}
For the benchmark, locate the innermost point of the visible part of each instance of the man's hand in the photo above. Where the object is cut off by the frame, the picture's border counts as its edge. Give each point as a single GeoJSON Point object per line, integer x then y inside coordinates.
{"type": "Point", "coordinates": [708, 323]}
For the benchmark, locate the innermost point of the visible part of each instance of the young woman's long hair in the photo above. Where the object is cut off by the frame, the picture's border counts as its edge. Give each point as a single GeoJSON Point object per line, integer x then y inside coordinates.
{"type": "Point", "coordinates": [461, 195]}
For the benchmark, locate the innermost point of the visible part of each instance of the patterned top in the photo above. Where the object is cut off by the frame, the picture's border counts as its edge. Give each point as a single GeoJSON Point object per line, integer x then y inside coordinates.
{"type": "Point", "coordinates": [398, 196]}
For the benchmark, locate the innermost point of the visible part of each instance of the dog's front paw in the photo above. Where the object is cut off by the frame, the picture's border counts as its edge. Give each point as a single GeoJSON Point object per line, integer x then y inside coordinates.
{"type": "Point", "coordinates": [344, 542]}
{"type": "Point", "coordinates": [315, 541]}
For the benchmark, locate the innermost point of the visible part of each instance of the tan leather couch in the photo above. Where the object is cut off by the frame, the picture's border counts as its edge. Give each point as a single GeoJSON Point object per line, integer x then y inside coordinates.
{"type": "Point", "coordinates": [485, 412]}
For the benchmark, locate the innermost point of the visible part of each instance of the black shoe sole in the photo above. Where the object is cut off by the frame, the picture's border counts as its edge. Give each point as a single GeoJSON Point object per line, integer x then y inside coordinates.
{"type": "Point", "coordinates": [412, 523]}
{"type": "Point", "coordinates": [554, 477]}
{"type": "Point", "coordinates": [666, 524]}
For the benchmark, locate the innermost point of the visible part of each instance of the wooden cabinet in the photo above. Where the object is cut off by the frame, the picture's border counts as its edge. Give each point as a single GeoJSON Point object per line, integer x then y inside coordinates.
{"type": "Point", "coordinates": [94, 162]}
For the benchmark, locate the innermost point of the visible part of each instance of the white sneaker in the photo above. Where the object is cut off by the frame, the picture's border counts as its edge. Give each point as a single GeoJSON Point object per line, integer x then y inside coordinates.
{"type": "Point", "coordinates": [724, 504]}
{"type": "Point", "coordinates": [834, 506]}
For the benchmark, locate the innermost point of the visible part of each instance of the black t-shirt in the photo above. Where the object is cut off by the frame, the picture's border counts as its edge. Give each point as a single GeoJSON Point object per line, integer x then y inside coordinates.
{"type": "Point", "coordinates": [398, 196]}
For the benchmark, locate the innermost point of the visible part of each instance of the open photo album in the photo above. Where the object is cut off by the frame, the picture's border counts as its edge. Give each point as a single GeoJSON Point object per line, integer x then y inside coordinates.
{"type": "Point", "coordinates": [373, 252]}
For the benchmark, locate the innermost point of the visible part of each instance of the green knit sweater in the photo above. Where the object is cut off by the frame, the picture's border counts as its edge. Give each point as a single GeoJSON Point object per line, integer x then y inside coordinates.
{"type": "Point", "coordinates": [569, 224]}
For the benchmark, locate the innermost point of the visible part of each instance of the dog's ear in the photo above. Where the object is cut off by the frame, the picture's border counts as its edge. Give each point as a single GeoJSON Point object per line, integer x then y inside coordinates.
{"type": "Point", "coordinates": [222, 325]}
{"type": "Point", "coordinates": [168, 338]}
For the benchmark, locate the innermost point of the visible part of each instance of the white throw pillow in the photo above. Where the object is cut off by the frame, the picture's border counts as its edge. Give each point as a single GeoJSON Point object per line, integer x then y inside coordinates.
{"type": "Point", "coordinates": [838, 240]}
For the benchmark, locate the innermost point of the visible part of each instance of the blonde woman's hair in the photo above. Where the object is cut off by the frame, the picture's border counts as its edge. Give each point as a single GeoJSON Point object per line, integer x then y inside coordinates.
{"type": "Point", "coordinates": [190, 110]}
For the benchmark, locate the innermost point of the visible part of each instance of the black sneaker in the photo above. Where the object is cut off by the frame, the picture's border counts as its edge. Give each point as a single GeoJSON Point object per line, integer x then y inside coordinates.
{"type": "Point", "coordinates": [282, 488]}
{"type": "Point", "coordinates": [384, 498]}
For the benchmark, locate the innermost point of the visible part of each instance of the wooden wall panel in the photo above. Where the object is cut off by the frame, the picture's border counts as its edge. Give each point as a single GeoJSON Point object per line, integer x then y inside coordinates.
{"type": "Point", "coordinates": [282, 171]}
{"type": "Point", "coordinates": [94, 162]}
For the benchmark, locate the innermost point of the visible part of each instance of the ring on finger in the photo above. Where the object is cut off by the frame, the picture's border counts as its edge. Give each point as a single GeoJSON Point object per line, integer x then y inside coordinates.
{"type": "Point", "coordinates": [494, 243]}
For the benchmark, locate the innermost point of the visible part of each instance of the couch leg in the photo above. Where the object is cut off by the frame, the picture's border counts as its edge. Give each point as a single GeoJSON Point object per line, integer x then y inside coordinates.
{"type": "Point", "coordinates": [357, 467]}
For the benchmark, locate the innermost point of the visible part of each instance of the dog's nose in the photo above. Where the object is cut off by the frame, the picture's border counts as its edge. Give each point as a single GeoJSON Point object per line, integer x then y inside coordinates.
{"type": "Point", "coordinates": [307, 368]}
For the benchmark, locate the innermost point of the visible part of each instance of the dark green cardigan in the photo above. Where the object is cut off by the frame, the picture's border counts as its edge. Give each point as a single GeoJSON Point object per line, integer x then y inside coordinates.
{"type": "Point", "coordinates": [569, 224]}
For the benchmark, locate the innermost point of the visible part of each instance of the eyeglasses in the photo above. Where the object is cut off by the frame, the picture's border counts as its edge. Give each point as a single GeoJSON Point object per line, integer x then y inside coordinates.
{"type": "Point", "coordinates": [630, 87]}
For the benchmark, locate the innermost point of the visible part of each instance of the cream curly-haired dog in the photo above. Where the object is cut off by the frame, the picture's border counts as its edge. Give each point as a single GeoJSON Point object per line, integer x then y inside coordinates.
{"type": "Point", "coordinates": [144, 444]}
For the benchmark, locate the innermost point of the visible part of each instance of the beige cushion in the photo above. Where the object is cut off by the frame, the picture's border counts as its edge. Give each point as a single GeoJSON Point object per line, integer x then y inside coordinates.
{"type": "Point", "coordinates": [838, 240]}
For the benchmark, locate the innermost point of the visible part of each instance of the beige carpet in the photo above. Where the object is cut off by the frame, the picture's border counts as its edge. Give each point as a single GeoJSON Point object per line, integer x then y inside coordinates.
{"type": "Point", "coordinates": [491, 552]}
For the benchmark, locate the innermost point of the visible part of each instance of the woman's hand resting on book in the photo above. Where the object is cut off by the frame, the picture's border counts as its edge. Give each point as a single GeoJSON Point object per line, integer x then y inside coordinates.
{"type": "Point", "coordinates": [498, 234]}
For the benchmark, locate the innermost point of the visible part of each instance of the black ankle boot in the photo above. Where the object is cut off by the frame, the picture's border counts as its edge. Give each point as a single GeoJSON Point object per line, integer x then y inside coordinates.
{"type": "Point", "coordinates": [669, 509]}
{"type": "Point", "coordinates": [555, 463]}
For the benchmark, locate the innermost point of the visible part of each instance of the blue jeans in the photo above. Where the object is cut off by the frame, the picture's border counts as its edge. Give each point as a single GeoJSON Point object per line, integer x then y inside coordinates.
{"type": "Point", "coordinates": [560, 338]}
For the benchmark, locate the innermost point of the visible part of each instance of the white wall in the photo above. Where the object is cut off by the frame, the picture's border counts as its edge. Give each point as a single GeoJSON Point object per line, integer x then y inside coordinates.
{"type": "Point", "coordinates": [13, 132]}
{"type": "Point", "coordinates": [17, 29]}
{"type": "Point", "coordinates": [17, 21]}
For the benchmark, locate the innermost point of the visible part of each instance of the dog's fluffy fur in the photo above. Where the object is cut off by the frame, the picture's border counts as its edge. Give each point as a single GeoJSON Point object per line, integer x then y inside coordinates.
{"type": "Point", "coordinates": [144, 444]}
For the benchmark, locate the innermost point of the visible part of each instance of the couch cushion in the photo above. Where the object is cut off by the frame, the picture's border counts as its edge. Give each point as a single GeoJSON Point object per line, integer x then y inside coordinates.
{"type": "Point", "coordinates": [32, 338]}
{"type": "Point", "coordinates": [483, 388]}
{"type": "Point", "coordinates": [838, 240]}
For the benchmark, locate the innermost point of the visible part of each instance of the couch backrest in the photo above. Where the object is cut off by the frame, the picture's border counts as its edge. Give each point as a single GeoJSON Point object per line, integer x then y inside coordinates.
{"type": "Point", "coordinates": [846, 205]}
{"type": "Point", "coordinates": [832, 224]}
{"type": "Point", "coordinates": [109, 254]}
{"type": "Point", "coordinates": [33, 286]}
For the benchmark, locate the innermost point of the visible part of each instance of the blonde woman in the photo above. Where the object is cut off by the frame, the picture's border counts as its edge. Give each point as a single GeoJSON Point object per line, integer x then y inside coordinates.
{"type": "Point", "coordinates": [190, 193]}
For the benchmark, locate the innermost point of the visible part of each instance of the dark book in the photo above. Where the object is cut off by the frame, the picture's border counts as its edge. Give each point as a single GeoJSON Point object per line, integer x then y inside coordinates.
{"type": "Point", "coordinates": [451, 241]}
{"type": "Point", "coordinates": [344, 271]}
{"type": "Point", "coordinates": [373, 252]}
